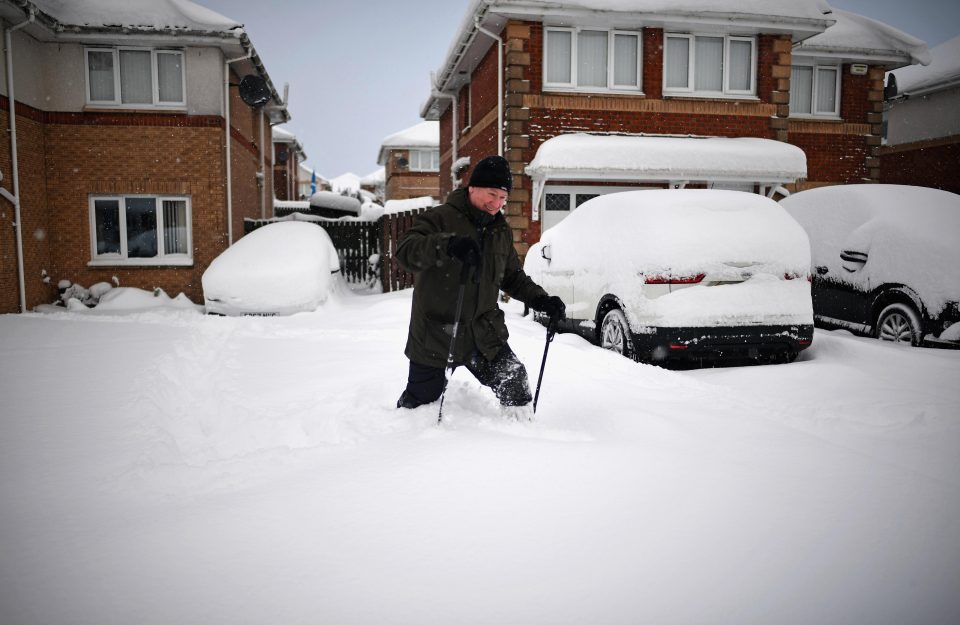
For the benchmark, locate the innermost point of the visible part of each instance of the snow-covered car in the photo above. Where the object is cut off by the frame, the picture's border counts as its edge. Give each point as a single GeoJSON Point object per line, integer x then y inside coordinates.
{"type": "Point", "coordinates": [886, 261]}
{"type": "Point", "coordinates": [278, 269]}
{"type": "Point", "coordinates": [681, 274]}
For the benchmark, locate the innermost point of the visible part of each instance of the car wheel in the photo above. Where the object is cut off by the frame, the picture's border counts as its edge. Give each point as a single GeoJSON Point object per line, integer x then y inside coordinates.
{"type": "Point", "coordinates": [898, 323]}
{"type": "Point", "coordinates": [615, 333]}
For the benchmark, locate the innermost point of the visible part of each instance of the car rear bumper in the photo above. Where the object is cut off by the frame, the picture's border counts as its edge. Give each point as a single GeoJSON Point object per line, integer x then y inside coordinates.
{"type": "Point", "coordinates": [752, 342]}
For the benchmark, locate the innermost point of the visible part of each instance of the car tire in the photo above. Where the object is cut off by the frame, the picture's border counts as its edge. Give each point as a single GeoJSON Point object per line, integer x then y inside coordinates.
{"type": "Point", "coordinates": [615, 333]}
{"type": "Point", "coordinates": [899, 323]}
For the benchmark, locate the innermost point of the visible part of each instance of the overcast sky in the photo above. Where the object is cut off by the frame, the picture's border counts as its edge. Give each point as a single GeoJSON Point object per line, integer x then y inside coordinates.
{"type": "Point", "coordinates": [360, 70]}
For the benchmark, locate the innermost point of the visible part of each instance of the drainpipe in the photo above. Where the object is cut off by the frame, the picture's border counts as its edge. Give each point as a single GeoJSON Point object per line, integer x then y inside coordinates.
{"type": "Point", "coordinates": [476, 22]}
{"type": "Point", "coordinates": [262, 174]}
{"type": "Point", "coordinates": [455, 132]}
{"type": "Point", "coordinates": [226, 117]}
{"type": "Point", "coordinates": [14, 198]}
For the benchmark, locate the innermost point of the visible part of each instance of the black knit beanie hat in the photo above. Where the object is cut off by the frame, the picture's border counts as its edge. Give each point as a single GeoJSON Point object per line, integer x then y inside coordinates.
{"type": "Point", "coordinates": [492, 172]}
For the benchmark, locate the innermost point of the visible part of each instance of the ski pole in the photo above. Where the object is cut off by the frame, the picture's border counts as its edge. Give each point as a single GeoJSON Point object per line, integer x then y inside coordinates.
{"type": "Point", "coordinates": [448, 371]}
{"type": "Point", "coordinates": [551, 332]}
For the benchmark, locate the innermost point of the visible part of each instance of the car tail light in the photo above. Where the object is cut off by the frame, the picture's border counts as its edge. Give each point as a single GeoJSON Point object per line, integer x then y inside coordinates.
{"type": "Point", "coordinates": [674, 279]}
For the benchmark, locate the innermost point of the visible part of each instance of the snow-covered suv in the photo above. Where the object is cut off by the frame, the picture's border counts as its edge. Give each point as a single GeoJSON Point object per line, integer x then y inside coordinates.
{"type": "Point", "coordinates": [681, 274]}
{"type": "Point", "coordinates": [885, 258]}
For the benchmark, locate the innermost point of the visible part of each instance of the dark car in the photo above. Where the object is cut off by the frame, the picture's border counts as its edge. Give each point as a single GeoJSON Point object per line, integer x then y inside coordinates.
{"type": "Point", "coordinates": [885, 260]}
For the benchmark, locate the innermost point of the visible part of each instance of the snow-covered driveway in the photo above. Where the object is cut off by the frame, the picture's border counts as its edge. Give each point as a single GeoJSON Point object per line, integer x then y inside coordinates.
{"type": "Point", "coordinates": [169, 467]}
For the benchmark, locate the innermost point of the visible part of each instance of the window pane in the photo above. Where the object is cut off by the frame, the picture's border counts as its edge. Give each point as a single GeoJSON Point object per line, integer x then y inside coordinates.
{"type": "Point", "coordinates": [625, 59]}
{"type": "Point", "coordinates": [106, 216]}
{"type": "Point", "coordinates": [558, 56]}
{"type": "Point", "coordinates": [557, 202]}
{"type": "Point", "coordinates": [175, 227]}
{"type": "Point", "coordinates": [170, 76]}
{"type": "Point", "coordinates": [709, 64]}
{"type": "Point", "coordinates": [678, 62]}
{"type": "Point", "coordinates": [741, 64]}
{"type": "Point", "coordinates": [801, 89]}
{"type": "Point", "coordinates": [435, 160]}
{"type": "Point", "coordinates": [826, 90]}
{"type": "Point", "coordinates": [583, 197]}
{"type": "Point", "coordinates": [136, 84]}
{"type": "Point", "coordinates": [141, 227]}
{"type": "Point", "coordinates": [592, 58]}
{"type": "Point", "coordinates": [101, 76]}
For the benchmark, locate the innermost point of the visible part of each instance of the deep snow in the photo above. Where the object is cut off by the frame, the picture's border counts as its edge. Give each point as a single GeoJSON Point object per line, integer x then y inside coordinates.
{"type": "Point", "coordinates": [169, 467]}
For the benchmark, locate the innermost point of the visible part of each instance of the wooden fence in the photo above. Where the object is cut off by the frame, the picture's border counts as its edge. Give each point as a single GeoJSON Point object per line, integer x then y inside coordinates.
{"type": "Point", "coordinates": [366, 248]}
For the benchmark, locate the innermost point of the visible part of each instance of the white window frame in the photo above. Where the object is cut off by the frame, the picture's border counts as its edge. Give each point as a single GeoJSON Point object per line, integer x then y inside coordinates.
{"type": "Point", "coordinates": [726, 92]}
{"type": "Point", "coordinates": [117, 101]}
{"type": "Point", "coordinates": [433, 156]}
{"type": "Point", "coordinates": [815, 89]}
{"type": "Point", "coordinates": [611, 62]}
{"type": "Point", "coordinates": [162, 258]}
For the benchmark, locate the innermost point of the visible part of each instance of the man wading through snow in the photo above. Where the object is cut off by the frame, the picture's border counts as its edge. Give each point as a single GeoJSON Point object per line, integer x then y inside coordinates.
{"type": "Point", "coordinates": [469, 229]}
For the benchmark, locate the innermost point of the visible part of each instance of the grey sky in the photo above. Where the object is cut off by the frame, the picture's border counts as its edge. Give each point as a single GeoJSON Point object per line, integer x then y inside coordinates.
{"type": "Point", "coordinates": [359, 70]}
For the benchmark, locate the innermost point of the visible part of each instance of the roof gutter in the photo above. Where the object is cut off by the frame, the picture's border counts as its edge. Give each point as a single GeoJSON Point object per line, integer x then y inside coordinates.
{"type": "Point", "coordinates": [14, 198]}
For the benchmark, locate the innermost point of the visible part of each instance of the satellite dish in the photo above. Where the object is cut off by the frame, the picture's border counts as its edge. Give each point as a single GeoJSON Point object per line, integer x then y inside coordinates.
{"type": "Point", "coordinates": [282, 156]}
{"type": "Point", "coordinates": [254, 91]}
{"type": "Point", "coordinates": [402, 163]}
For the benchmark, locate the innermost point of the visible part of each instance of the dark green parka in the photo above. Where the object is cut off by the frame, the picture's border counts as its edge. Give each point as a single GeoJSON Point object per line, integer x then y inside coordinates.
{"type": "Point", "coordinates": [423, 251]}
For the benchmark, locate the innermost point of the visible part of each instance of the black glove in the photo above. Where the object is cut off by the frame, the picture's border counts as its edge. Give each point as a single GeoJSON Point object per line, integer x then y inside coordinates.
{"type": "Point", "coordinates": [550, 305]}
{"type": "Point", "coordinates": [464, 249]}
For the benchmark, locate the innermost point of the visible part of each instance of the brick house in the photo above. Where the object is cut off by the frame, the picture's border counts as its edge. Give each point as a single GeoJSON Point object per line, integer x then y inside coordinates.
{"type": "Point", "coordinates": [519, 75]}
{"type": "Point", "coordinates": [118, 152]}
{"type": "Point", "coordinates": [287, 155]}
{"type": "Point", "coordinates": [923, 123]}
{"type": "Point", "coordinates": [411, 162]}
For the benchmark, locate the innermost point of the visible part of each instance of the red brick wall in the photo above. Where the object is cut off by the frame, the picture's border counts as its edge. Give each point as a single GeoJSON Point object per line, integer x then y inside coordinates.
{"type": "Point", "coordinates": [924, 164]}
{"type": "Point", "coordinates": [832, 157]}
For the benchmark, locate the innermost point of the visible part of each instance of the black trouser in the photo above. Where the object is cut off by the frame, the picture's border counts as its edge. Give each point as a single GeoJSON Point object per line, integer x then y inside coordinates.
{"type": "Point", "coordinates": [505, 375]}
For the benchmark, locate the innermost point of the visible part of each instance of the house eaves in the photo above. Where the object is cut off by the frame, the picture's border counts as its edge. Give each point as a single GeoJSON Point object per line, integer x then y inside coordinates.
{"type": "Point", "coordinates": [226, 35]}
{"type": "Point", "coordinates": [800, 19]}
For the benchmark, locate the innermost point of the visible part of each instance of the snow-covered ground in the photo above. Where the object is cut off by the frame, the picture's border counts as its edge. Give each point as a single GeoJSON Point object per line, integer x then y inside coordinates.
{"type": "Point", "coordinates": [169, 467]}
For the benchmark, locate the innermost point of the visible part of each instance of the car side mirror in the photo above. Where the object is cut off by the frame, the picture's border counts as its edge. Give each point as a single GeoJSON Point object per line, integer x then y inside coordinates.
{"type": "Point", "coordinates": [545, 253]}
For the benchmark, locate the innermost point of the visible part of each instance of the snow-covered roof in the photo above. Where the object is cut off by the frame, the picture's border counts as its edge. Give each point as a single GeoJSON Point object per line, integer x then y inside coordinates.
{"type": "Point", "coordinates": [423, 135]}
{"type": "Point", "coordinates": [306, 172]}
{"type": "Point", "coordinates": [375, 178]}
{"type": "Point", "coordinates": [180, 15]}
{"type": "Point", "coordinates": [345, 182]}
{"type": "Point", "coordinates": [798, 18]}
{"type": "Point", "coordinates": [943, 71]}
{"type": "Point", "coordinates": [648, 158]}
{"type": "Point", "coordinates": [859, 38]}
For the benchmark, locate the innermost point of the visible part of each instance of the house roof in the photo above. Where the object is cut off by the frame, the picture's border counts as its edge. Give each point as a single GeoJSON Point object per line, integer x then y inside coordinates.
{"type": "Point", "coordinates": [345, 182]}
{"type": "Point", "coordinates": [799, 18]}
{"type": "Point", "coordinates": [858, 38]}
{"type": "Point", "coordinates": [638, 158]}
{"type": "Point", "coordinates": [282, 135]}
{"type": "Point", "coordinates": [142, 22]}
{"type": "Point", "coordinates": [374, 178]}
{"type": "Point", "coordinates": [305, 173]}
{"type": "Point", "coordinates": [943, 72]}
{"type": "Point", "coordinates": [423, 135]}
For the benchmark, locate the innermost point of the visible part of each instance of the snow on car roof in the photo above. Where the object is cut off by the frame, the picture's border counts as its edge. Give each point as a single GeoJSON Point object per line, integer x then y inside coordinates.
{"type": "Point", "coordinates": [676, 231]}
{"type": "Point", "coordinates": [909, 234]}
{"type": "Point", "coordinates": [588, 156]}
{"type": "Point", "coordinates": [334, 201]}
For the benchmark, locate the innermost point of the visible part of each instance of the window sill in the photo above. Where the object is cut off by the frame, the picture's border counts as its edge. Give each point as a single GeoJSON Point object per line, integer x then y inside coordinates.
{"type": "Point", "coordinates": [579, 91]}
{"type": "Point", "coordinates": [710, 96]}
{"type": "Point", "coordinates": [141, 262]}
{"type": "Point", "coordinates": [106, 108]}
{"type": "Point", "coordinates": [817, 118]}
